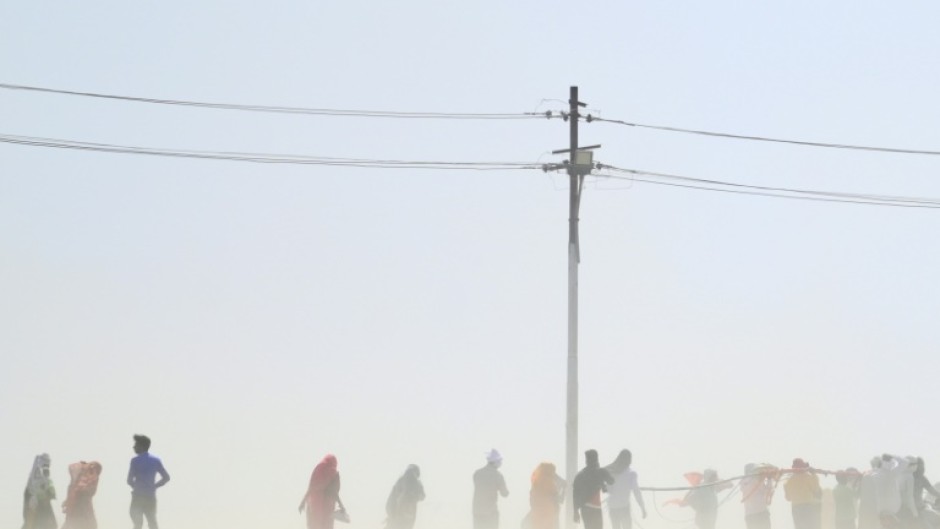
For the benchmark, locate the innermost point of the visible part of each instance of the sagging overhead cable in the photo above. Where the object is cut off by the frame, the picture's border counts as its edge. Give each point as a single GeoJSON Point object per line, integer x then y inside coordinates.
{"type": "Point", "coordinates": [283, 109]}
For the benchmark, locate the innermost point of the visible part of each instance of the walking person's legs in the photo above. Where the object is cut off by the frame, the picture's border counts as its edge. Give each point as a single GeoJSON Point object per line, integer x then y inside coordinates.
{"type": "Point", "coordinates": [620, 518]}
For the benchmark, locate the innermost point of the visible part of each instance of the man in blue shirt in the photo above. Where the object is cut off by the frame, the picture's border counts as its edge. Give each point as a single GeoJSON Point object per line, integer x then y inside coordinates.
{"type": "Point", "coordinates": [142, 477]}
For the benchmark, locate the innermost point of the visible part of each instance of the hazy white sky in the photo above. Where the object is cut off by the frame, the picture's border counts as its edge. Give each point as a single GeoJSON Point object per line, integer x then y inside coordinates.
{"type": "Point", "coordinates": [252, 318]}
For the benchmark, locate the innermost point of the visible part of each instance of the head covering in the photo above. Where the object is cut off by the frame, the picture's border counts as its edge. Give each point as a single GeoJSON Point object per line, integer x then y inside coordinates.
{"type": "Point", "coordinates": [493, 457]}
{"type": "Point", "coordinates": [543, 473]}
{"type": "Point", "coordinates": [405, 494]}
{"type": "Point", "coordinates": [84, 482]}
{"type": "Point", "coordinates": [624, 458]}
{"type": "Point", "coordinates": [85, 474]}
{"type": "Point", "coordinates": [38, 475]}
{"type": "Point", "coordinates": [710, 475]}
{"type": "Point", "coordinates": [799, 463]}
{"type": "Point", "coordinates": [39, 485]}
{"type": "Point", "coordinates": [324, 473]}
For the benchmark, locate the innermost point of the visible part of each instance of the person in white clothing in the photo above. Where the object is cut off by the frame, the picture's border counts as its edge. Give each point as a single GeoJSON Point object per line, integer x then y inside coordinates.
{"type": "Point", "coordinates": [889, 490]}
{"type": "Point", "coordinates": [908, 513]}
{"type": "Point", "coordinates": [618, 493]}
{"type": "Point", "coordinates": [757, 489]}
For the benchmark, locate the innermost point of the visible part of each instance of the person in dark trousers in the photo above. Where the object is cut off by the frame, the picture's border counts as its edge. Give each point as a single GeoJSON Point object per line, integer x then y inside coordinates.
{"type": "Point", "coordinates": [142, 478]}
{"type": "Point", "coordinates": [586, 491]}
{"type": "Point", "coordinates": [488, 482]}
{"type": "Point", "coordinates": [402, 504]}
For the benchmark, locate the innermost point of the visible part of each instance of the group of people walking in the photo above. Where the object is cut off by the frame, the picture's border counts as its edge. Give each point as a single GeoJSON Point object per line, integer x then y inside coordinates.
{"type": "Point", "coordinates": [893, 494]}
{"type": "Point", "coordinates": [78, 507]}
{"type": "Point", "coordinates": [323, 505]}
{"type": "Point", "coordinates": [548, 490]}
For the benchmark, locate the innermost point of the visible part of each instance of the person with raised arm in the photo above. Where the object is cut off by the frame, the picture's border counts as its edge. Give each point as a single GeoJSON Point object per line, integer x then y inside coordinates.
{"type": "Point", "coordinates": [803, 492]}
{"type": "Point", "coordinates": [757, 490]}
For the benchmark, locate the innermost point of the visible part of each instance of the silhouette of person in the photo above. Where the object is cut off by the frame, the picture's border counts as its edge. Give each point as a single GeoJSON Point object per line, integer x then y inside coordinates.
{"type": "Point", "coordinates": [142, 478]}
{"type": "Point", "coordinates": [402, 504]}
{"type": "Point", "coordinates": [488, 485]}
{"type": "Point", "coordinates": [845, 498]}
{"type": "Point", "coordinates": [921, 485]}
{"type": "Point", "coordinates": [803, 492]}
{"type": "Point", "coordinates": [624, 486]}
{"type": "Point", "coordinates": [322, 494]}
{"type": "Point", "coordinates": [586, 491]}
{"type": "Point", "coordinates": [704, 499]}
{"type": "Point", "coordinates": [868, 512]}
{"type": "Point", "coordinates": [38, 496]}
{"type": "Point", "coordinates": [757, 489]}
{"type": "Point", "coordinates": [78, 508]}
{"type": "Point", "coordinates": [545, 497]}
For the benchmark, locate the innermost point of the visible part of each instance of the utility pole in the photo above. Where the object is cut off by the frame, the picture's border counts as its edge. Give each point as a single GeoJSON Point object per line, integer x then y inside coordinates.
{"type": "Point", "coordinates": [574, 200]}
{"type": "Point", "coordinates": [579, 164]}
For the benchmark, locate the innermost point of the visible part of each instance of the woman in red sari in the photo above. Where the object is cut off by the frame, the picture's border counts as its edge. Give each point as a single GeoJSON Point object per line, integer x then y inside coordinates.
{"type": "Point", "coordinates": [78, 509]}
{"type": "Point", "coordinates": [322, 494]}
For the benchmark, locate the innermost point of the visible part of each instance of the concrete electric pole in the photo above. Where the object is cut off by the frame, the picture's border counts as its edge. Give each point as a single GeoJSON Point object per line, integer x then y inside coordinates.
{"type": "Point", "coordinates": [579, 164]}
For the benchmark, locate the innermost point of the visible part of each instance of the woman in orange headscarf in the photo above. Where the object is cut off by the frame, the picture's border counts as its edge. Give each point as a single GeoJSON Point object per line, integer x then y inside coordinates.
{"type": "Point", "coordinates": [78, 509]}
{"type": "Point", "coordinates": [322, 494]}
{"type": "Point", "coordinates": [545, 496]}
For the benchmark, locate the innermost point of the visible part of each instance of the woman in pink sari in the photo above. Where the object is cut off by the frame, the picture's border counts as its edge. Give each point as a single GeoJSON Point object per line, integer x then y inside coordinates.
{"type": "Point", "coordinates": [322, 495]}
{"type": "Point", "coordinates": [78, 509]}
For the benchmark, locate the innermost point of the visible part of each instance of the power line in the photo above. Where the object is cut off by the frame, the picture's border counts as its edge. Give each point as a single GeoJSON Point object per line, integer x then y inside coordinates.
{"type": "Point", "coordinates": [293, 159]}
{"type": "Point", "coordinates": [775, 192]}
{"type": "Point", "coordinates": [833, 194]}
{"type": "Point", "coordinates": [764, 138]}
{"type": "Point", "coordinates": [283, 109]}
{"type": "Point", "coordinates": [632, 175]}
{"type": "Point", "coordinates": [454, 115]}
